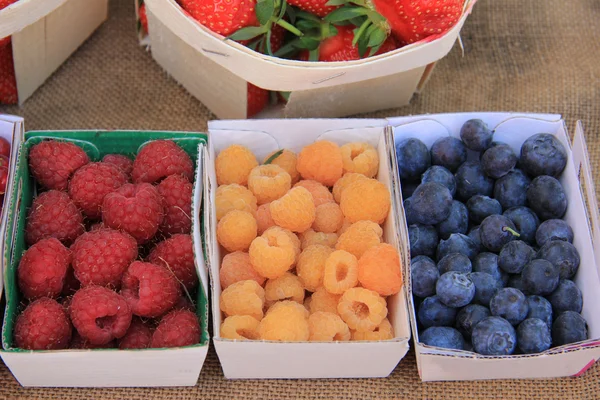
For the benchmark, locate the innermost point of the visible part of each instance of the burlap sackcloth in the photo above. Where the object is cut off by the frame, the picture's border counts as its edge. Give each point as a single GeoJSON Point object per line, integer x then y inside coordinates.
{"type": "Point", "coordinates": [519, 55]}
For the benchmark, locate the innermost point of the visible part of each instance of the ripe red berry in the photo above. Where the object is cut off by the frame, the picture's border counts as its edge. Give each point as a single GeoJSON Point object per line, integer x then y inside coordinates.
{"type": "Point", "coordinates": [124, 163]}
{"type": "Point", "coordinates": [159, 159]}
{"type": "Point", "coordinates": [177, 328]}
{"type": "Point", "coordinates": [4, 147]}
{"type": "Point", "coordinates": [77, 342]}
{"type": "Point", "coordinates": [43, 325]}
{"type": "Point", "coordinates": [138, 336]}
{"type": "Point", "coordinates": [52, 163]}
{"type": "Point", "coordinates": [176, 192]}
{"type": "Point", "coordinates": [176, 254]}
{"type": "Point", "coordinates": [43, 268]}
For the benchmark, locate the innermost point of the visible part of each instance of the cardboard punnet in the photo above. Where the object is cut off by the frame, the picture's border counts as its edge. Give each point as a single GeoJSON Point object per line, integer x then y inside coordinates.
{"type": "Point", "coordinates": [45, 33]}
{"type": "Point", "coordinates": [217, 71]}
{"type": "Point", "coordinates": [101, 367]}
{"type": "Point", "coordinates": [436, 364]}
{"type": "Point", "coordinates": [265, 359]}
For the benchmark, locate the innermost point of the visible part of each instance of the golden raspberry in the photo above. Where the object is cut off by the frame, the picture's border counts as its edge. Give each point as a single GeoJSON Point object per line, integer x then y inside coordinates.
{"type": "Point", "coordinates": [328, 218]}
{"type": "Point", "coordinates": [294, 238]}
{"type": "Point", "coordinates": [379, 269]}
{"type": "Point", "coordinates": [233, 165]}
{"type": "Point", "coordinates": [269, 182]}
{"type": "Point", "coordinates": [320, 193]}
{"type": "Point", "coordinates": [343, 183]}
{"type": "Point", "coordinates": [263, 218]}
{"type": "Point", "coordinates": [345, 225]}
{"type": "Point", "coordinates": [327, 327]}
{"type": "Point", "coordinates": [286, 160]}
{"type": "Point", "coordinates": [286, 287]}
{"type": "Point", "coordinates": [234, 197]}
{"type": "Point", "coordinates": [311, 265]}
{"type": "Point", "coordinates": [294, 211]}
{"type": "Point", "coordinates": [286, 321]}
{"type": "Point", "coordinates": [307, 302]}
{"type": "Point", "coordinates": [341, 272]}
{"type": "Point", "coordinates": [366, 199]}
{"type": "Point", "coordinates": [361, 158]}
{"type": "Point", "coordinates": [236, 267]}
{"type": "Point", "coordinates": [243, 298]}
{"type": "Point", "coordinates": [322, 300]}
{"type": "Point", "coordinates": [321, 161]}
{"type": "Point", "coordinates": [310, 237]}
{"type": "Point", "coordinates": [359, 237]}
{"type": "Point", "coordinates": [240, 327]}
{"type": "Point", "coordinates": [384, 331]}
{"type": "Point", "coordinates": [362, 309]}
{"type": "Point", "coordinates": [273, 253]}
{"type": "Point", "coordinates": [236, 230]}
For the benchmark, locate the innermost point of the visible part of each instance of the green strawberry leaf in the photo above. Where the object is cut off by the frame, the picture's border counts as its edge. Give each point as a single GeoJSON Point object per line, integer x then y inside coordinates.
{"type": "Point", "coordinates": [285, 95]}
{"type": "Point", "coordinates": [334, 3]}
{"type": "Point", "coordinates": [358, 21]}
{"type": "Point", "coordinates": [249, 32]}
{"type": "Point", "coordinates": [345, 13]}
{"type": "Point", "coordinates": [360, 31]}
{"type": "Point", "coordinates": [306, 15]}
{"type": "Point", "coordinates": [376, 38]}
{"type": "Point", "coordinates": [374, 50]}
{"type": "Point", "coordinates": [313, 55]}
{"type": "Point", "coordinates": [282, 9]}
{"type": "Point", "coordinates": [305, 25]}
{"type": "Point", "coordinates": [265, 10]}
{"type": "Point", "coordinates": [288, 49]}
{"type": "Point", "coordinates": [291, 13]}
{"type": "Point", "coordinates": [362, 46]}
{"type": "Point", "coordinates": [309, 43]}
{"type": "Point", "coordinates": [268, 42]}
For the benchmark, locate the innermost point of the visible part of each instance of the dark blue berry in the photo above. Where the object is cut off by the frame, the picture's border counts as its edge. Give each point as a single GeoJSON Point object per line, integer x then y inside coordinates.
{"type": "Point", "coordinates": [511, 189]}
{"type": "Point", "coordinates": [423, 240]}
{"type": "Point", "coordinates": [440, 175]}
{"type": "Point", "coordinates": [514, 256]}
{"type": "Point", "coordinates": [540, 308]}
{"type": "Point", "coordinates": [563, 255]}
{"type": "Point", "coordinates": [510, 304]}
{"type": "Point", "coordinates": [498, 160]}
{"type": "Point", "coordinates": [497, 230]}
{"type": "Point", "coordinates": [486, 287]}
{"type": "Point", "coordinates": [413, 158]}
{"type": "Point", "coordinates": [449, 152]}
{"type": "Point", "coordinates": [566, 297]}
{"type": "Point", "coordinates": [424, 275]}
{"type": "Point", "coordinates": [474, 235]}
{"type": "Point", "coordinates": [547, 198]}
{"type": "Point", "coordinates": [540, 277]}
{"type": "Point", "coordinates": [533, 336]}
{"type": "Point", "coordinates": [516, 281]}
{"type": "Point", "coordinates": [455, 289]}
{"type": "Point", "coordinates": [480, 207]}
{"type": "Point", "coordinates": [471, 180]}
{"type": "Point", "coordinates": [457, 221]}
{"type": "Point", "coordinates": [455, 262]}
{"type": "Point", "coordinates": [569, 327]}
{"type": "Point", "coordinates": [443, 336]}
{"type": "Point", "coordinates": [488, 263]}
{"type": "Point", "coordinates": [411, 218]}
{"type": "Point", "coordinates": [457, 243]}
{"type": "Point", "coordinates": [469, 316]}
{"type": "Point", "coordinates": [432, 312]}
{"type": "Point", "coordinates": [476, 135]}
{"type": "Point", "coordinates": [526, 222]}
{"type": "Point", "coordinates": [408, 189]}
{"type": "Point", "coordinates": [553, 229]}
{"type": "Point", "coordinates": [543, 154]}
{"type": "Point", "coordinates": [494, 336]}
{"type": "Point", "coordinates": [431, 203]}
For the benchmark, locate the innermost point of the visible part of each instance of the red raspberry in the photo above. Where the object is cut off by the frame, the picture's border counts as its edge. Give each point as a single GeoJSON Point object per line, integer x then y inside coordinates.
{"type": "Point", "coordinates": [91, 183]}
{"type": "Point", "coordinates": [43, 268]}
{"type": "Point", "coordinates": [102, 256]}
{"type": "Point", "coordinates": [43, 325]}
{"type": "Point", "coordinates": [176, 192]}
{"type": "Point", "coordinates": [77, 342]}
{"type": "Point", "coordinates": [138, 336]}
{"type": "Point", "coordinates": [150, 290]}
{"type": "Point", "coordinates": [159, 159]}
{"type": "Point", "coordinates": [99, 314]}
{"type": "Point", "coordinates": [177, 328]}
{"type": "Point", "coordinates": [53, 214]}
{"type": "Point", "coordinates": [71, 284]}
{"type": "Point", "coordinates": [177, 255]}
{"type": "Point", "coordinates": [184, 303]}
{"type": "Point", "coordinates": [52, 163]}
{"type": "Point", "coordinates": [135, 209]}
{"type": "Point", "coordinates": [124, 163]}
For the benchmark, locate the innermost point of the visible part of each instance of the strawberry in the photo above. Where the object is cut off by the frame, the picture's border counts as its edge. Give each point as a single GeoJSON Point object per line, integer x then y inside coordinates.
{"type": "Point", "coordinates": [258, 99]}
{"type": "Point", "coordinates": [319, 8]}
{"type": "Point", "coordinates": [341, 48]}
{"type": "Point", "coordinates": [8, 81]}
{"type": "Point", "coordinates": [143, 17]}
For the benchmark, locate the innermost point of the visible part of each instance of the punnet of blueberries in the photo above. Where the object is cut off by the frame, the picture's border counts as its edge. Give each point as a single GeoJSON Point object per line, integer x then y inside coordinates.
{"type": "Point", "coordinates": [493, 264]}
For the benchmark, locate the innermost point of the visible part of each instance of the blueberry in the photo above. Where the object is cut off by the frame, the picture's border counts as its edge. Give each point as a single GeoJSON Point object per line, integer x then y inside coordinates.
{"type": "Point", "coordinates": [510, 304]}
{"type": "Point", "coordinates": [408, 189]}
{"type": "Point", "coordinates": [469, 316]}
{"type": "Point", "coordinates": [411, 218]}
{"type": "Point", "coordinates": [413, 158]}
{"type": "Point", "coordinates": [543, 154]}
{"type": "Point", "coordinates": [540, 308]}
{"type": "Point", "coordinates": [533, 336]}
{"type": "Point", "coordinates": [511, 189]}
{"type": "Point", "coordinates": [566, 297]}
{"type": "Point", "coordinates": [423, 240]}
{"type": "Point", "coordinates": [474, 235]}
{"type": "Point", "coordinates": [514, 256]}
{"type": "Point", "coordinates": [540, 277]}
{"type": "Point", "coordinates": [443, 336]}
{"type": "Point", "coordinates": [516, 281]}
{"type": "Point", "coordinates": [563, 255]}
{"type": "Point", "coordinates": [525, 221]}
{"type": "Point", "coordinates": [569, 327]}
{"type": "Point", "coordinates": [498, 160]}
{"type": "Point", "coordinates": [480, 207]}
{"type": "Point", "coordinates": [457, 243]}
{"type": "Point", "coordinates": [494, 336]}
{"type": "Point", "coordinates": [455, 289]}
{"type": "Point", "coordinates": [449, 152]}
{"type": "Point", "coordinates": [424, 275]}
{"type": "Point", "coordinates": [440, 175]}
{"type": "Point", "coordinates": [457, 221]}
{"type": "Point", "coordinates": [486, 287]}
{"type": "Point", "coordinates": [476, 135]}
{"type": "Point", "coordinates": [488, 263]}
{"type": "Point", "coordinates": [432, 312]}
{"type": "Point", "coordinates": [553, 229]}
{"type": "Point", "coordinates": [497, 230]}
{"type": "Point", "coordinates": [471, 180]}
{"type": "Point", "coordinates": [547, 197]}
{"type": "Point", "coordinates": [455, 262]}
{"type": "Point", "coordinates": [431, 203]}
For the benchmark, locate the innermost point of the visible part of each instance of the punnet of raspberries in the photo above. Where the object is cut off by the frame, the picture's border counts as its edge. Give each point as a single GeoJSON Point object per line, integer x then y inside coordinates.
{"type": "Point", "coordinates": [83, 280]}
{"type": "Point", "coordinates": [305, 253]}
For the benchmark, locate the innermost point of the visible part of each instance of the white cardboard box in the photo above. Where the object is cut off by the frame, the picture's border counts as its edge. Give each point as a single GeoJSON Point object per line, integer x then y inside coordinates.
{"type": "Point", "coordinates": [45, 33]}
{"type": "Point", "coordinates": [436, 364]}
{"type": "Point", "coordinates": [264, 359]}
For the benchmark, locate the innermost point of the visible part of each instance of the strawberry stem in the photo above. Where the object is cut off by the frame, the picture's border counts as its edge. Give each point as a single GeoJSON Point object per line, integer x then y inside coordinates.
{"type": "Point", "coordinates": [360, 31]}
{"type": "Point", "coordinates": [289, 27]}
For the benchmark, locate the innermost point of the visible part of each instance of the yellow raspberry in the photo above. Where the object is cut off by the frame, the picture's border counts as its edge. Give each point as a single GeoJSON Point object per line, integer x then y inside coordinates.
{"type": "Point", "coordinates": [341, 272]}
{"type": "Point", "coordinates": [361, 158]}
{"type": "Point", "coordinates": [362, 309]}
{"type": "Point", "coordinates": [366, 199]}
{"type": "Point", "coordinates": [345, 225]}
{"type": "Point", "coordinates": [322, 300]}
{"type": "Point", "coordinates": [319, 192]}
{"type": "Point", "coordinates": [269, 182]}
{"type": "Point", "coordinates": [321, 161]}
{"type": "Point", "coordinates": [328, 218]}
{"type": "Point", "coordinates": [233, 165]}
{"type": "Point", "coordinates": [310, 237]}
{"type": "Point", "coordinates": [263, 218]}
{"type": "Point", "coordinates": [236, 267]}
{"type": "Point", "coordinates": [286, 160]}
{"type": "Point", "coordinates": [286, 287]}
{"type": "Point", "coordinates": [240, 327]}
{"type": "Point", "coordinates": [243, 298]}
{"type": "Point", "coordinates": [379, 269]}
{"type": "Point", "coordinates": [273, 253]}
{"type": "Point", "coordinates": [286, 321]}
{"type": "Point", "coordinates": [294, 238]}
{"type": "Point", "coordinates": [294, 211]}
{"type": "Point", "coordinates": [307, 302]}
{"type": "Point", "coordinates": [384, 331]}
{"type": "Point", "coordinates": [359, 237]}
{"type": "Point", "coordinates": [327, 327]}
{"type": "Point", "coordinates": [343, 183]}
{"type": "Point", "coordinates": [236, 230]}
{"type": "Point", "coordinates": [234, 197]}
{"type": "Point", "coordinates": [311, 265]}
